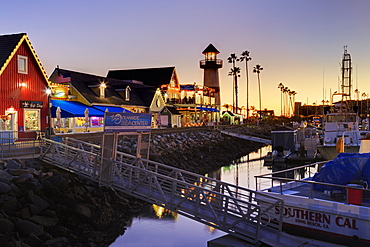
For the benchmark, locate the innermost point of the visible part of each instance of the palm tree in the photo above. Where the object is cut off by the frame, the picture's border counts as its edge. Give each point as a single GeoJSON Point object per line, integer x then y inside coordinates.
{"type": "Point", "coordinates": [253, 108]}
{"type": "Point", "coordinates": [292, 93]}
{"type": "Point", "coordinates": [245, 57]}
{"type": "Point", "coordinates": [227, 106]}
{"type": "Point", "coordinates": [257, 69]}
{"type": "Point", "coordinates": [235, 72]}
{"type": "Point", "coordinates": [285, 92]}
{"type": "Point", "coordinates": [232, 59]}
{"type": "Point", "coordinates": [281, 87]}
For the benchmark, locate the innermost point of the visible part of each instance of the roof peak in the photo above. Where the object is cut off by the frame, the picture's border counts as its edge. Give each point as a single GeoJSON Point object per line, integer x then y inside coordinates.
{"type": "Point", "coordinates": [13, 34]}
{"type": "Point", "coordinates": [210, 48]}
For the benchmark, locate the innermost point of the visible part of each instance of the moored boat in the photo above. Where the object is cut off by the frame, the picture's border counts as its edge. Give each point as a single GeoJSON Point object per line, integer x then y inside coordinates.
{"type": "Point", "coordinates": [332, 205]}
{"type": "Point", "coordinates": [341, 134]}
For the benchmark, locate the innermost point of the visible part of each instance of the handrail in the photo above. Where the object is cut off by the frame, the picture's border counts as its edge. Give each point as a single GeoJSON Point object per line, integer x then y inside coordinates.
{"type": "Point", "coordinates": [282, 180]}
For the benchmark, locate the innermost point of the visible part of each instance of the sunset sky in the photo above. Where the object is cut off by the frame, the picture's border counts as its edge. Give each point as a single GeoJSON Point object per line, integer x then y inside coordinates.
{"type": "Point", "coordinates": [298, 42]}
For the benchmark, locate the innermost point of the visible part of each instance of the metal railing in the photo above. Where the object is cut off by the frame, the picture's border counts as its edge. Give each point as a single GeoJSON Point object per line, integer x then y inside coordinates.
{"type": "Point", "coordinates": [19, 144]}
{"type": "Point", "coordinates": [287, 179]}
{"type": "Point", "coordinates": [225, 206]}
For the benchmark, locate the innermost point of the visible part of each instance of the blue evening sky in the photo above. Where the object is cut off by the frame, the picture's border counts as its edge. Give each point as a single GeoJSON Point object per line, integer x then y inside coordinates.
{"type": "Point", "coordinates": [297, 42]}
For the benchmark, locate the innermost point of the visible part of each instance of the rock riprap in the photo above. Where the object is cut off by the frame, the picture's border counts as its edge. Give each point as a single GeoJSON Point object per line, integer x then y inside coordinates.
{"type": "Point", "coordinates": [198, 151]}
{"type": "Point", "coordinates": [43, 206]}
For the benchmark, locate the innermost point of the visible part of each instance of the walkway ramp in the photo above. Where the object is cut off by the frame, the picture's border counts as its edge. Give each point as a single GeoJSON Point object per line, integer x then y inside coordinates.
{"type": "Point", "coordinates": [247, 137]}
{"type": "Point", "coordinates": [224, 206]}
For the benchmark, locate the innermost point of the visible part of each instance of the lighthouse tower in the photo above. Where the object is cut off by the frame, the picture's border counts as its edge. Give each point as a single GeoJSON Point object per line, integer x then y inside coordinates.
{"type": "Point", "coordinates": [211, 65]}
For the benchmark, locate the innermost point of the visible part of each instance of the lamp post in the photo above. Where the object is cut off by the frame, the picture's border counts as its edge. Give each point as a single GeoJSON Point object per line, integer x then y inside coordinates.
{"type": "Point", "coordinates": [257, 69]}
{"type": "Point", "coordinates": [48, 92]}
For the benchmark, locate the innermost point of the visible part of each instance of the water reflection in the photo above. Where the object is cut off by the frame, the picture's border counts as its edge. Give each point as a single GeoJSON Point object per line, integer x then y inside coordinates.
{"type": "Point", "coordinates": [157, 226]}
{"type": "Point", "coordinates": [242, 171]}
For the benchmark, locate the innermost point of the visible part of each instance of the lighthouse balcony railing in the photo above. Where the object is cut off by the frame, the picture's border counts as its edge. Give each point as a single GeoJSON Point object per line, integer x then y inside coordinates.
{"type": "Point", "coordinates": [206, 63]}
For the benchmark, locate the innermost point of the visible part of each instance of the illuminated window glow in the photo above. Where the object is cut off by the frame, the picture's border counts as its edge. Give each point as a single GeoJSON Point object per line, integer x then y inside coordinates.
{"type": "Point", "coordinates": [211, 56]}
{"type": "Point", "coordinates": [127, 93]}
{"type": "Point", "coordinates": [31, 119]}
{"type": "Point", "coordinates": [102, 87]}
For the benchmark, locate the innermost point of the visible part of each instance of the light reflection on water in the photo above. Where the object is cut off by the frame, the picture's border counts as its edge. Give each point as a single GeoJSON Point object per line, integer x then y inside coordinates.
{"type": "Point", "coordinates": [158, 227]}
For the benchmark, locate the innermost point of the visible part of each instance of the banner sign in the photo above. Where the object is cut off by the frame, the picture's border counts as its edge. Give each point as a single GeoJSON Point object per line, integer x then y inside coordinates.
{"type": "Point", "coordinates": [187, 87]}
{"type": "Point", "coordinates": [31, 104]}
{"type": "Point", "coordinates": [127, 122]}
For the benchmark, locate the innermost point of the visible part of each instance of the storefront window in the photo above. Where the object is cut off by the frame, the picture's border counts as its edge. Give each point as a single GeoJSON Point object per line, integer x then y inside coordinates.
{"type": "Point", "coordinates": [31, 119]}
{"type": "Point", "coordinates": [7, 121]}
{"type": "Point", "coordinates": [96, 121]}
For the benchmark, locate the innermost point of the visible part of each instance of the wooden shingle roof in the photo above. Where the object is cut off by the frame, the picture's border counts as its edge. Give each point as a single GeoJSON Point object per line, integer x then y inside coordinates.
{"type": "Point", "coordinates": [149, 76]}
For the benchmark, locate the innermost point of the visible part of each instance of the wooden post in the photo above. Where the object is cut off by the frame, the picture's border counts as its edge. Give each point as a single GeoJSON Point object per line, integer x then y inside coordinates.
{"type": "Point", "coordinates": [109, 149]}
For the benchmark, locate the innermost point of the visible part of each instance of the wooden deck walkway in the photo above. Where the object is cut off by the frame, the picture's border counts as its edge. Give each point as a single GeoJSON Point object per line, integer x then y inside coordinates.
{"type": "Point", "coordinates": [246, 137]}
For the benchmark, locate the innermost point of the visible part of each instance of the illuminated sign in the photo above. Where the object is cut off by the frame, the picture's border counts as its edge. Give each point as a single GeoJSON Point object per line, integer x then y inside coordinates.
{"type": "Point", "coordinates": [127, 122]}
{"type": "Point", "coordinates": [187, 87]}
{"type": "Point", "coordinates": [59, 91]}
{"type": "Point", "coordinates": [31, 104]}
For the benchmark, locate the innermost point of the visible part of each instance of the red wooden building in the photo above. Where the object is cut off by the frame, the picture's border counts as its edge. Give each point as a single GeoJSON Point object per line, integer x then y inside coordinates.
{"type": "Point", "coordinates": [23, 86]}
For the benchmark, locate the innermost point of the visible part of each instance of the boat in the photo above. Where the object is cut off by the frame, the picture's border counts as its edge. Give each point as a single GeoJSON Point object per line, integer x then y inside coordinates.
{"type": "Point", "coordinates": [326, 200]}
{"type": "Point", "coordinates": [341, 134]}
{"type": "Point", "coordinates": [341, 124]}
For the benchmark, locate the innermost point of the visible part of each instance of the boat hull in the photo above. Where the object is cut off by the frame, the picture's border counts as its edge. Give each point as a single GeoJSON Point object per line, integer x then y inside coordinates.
{"type": "Point", "coordinates": [330, 152]}
{"type": "Point", "coordinates": [323, 220]}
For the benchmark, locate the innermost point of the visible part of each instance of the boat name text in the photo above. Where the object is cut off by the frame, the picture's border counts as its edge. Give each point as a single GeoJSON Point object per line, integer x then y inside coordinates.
{"type": "Point", "coordinates": [316, 218]}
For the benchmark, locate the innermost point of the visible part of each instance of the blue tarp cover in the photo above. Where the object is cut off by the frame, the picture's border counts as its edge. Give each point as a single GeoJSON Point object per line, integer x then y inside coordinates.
{"type": "Point", "coordinates": [343, 169]}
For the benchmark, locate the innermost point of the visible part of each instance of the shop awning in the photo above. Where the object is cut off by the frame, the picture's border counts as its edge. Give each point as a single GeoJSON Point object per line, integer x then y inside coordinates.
{"type": "Point", "coordinates": [74, 109]}
{"type": "Point", "coordinates": [207, 109]}
{"type": "Point", "coordinates": [111, 108]}
{"type": "Point", "coordinates": [63, 113]}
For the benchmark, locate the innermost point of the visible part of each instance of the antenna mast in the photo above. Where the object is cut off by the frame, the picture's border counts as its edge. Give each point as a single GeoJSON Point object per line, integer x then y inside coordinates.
{"type": "Point", "coordinates": [346, 86]}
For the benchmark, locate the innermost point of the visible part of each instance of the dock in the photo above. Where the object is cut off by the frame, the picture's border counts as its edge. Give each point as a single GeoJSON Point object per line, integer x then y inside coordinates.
{"type": "Point", "coordinates": [247, 137]}
{"type": "Point", "coordinates": [307, 154]}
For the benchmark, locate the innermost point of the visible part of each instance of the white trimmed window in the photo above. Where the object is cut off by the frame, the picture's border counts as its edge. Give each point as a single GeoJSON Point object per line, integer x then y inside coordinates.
{"type": "Point", "coordinates": [22, 64]}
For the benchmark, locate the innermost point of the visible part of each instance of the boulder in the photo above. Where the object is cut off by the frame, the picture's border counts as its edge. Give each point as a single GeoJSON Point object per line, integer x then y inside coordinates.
{"type": "Point", "coordinates": [5, 177]}
{"type": "Point", "coordinates": [29, 228]}
{"type": "Point", "coordinates": [44, 220]}
{"type": "Point", "coordinates": [4, 188]}
{"type": "Point", "coordinates": [57, 242]}
{"type": "Point", "coordinates": [17, 172]}
{"type": "Point", "coordinates": [83, 210]}
{"type": "Point", "coordinates": [6, 226]}
{"type": "Point", "coordinates": [37, 204]}
{"type": "Point", "coordinates": [12, 164]}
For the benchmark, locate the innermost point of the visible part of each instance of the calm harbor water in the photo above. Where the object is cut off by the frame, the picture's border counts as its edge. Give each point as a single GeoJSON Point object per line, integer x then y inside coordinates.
{"type": "Point", "coordinates": [158, 227]}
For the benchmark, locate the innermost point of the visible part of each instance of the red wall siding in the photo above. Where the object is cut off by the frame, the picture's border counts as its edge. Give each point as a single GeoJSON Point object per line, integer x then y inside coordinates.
{"type": "Point", "coordinates": [11, 93]}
